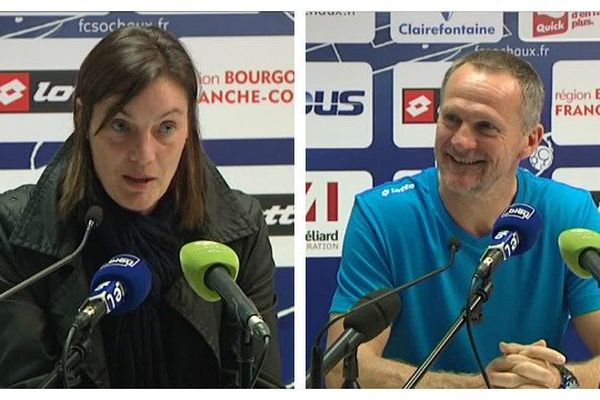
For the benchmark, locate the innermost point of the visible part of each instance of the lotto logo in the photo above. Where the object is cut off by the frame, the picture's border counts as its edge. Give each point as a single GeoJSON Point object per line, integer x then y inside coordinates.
{"type": "Point", "coordinates": [278, 210]}
{"type": "Point", "coordinates": [37, 91]}
{"type": "Point", "coordinates": [419, 106]}
{"type": "Point", "coordinates": [14, 92]}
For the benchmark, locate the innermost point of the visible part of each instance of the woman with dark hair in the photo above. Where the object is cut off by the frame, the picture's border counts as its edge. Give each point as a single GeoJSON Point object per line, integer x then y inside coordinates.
{"type": "Point", "coordinates": [136, 153]}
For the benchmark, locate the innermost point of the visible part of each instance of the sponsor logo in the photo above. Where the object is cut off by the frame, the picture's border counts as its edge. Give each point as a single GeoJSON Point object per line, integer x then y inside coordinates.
{"type": "Point", "coordinates": [329, 200]}
{"type": "Point", "coordinates": [278, 210]}
{"type": "Point", "coordinates": [543, 157]}
{"type": "Point", "coordinates": [402, 189]}
{"type": "Point", "coordinates": [322, 209]}
{"type": "Point", "coordinates": [448, 27]}
{"type": "Point", "coordinates": [420, 106]}
{"type": "Point", "coordinates": [335, 102]}
{"type": "Point", "coordinates": [247, 87]}
{"type": "Point", "coordinates": [331, 211]}
{"type": "Point", "coordinates": [37, 91]}
{"type": "Point", "coordinates": [123, 260]}
{"type": "Point", "coordinates": [545, 25]}
{"type": "Point", "coordinates": [14, 96]}
{"type": "Point", "coordinates": [522, 211]}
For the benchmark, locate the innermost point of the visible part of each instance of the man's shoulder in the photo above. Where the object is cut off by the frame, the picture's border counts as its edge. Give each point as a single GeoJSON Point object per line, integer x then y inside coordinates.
{"type": "Point", "coordinates": [405, 191]}
{"type": "Point", "coordinates": [552, 190]}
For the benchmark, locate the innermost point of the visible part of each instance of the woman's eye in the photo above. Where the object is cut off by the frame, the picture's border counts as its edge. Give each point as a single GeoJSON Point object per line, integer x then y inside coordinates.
{"type": "Point", "coordinates": [167, 128]}
{"type": "Point", "coordinates": [119, 125]}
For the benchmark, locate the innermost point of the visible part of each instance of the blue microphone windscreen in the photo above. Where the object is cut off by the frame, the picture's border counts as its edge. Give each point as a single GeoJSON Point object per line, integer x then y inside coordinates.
{"type": "Point", "coordinates": [522, 219]}
{"type": "Point", "coordinates": [134, 275]}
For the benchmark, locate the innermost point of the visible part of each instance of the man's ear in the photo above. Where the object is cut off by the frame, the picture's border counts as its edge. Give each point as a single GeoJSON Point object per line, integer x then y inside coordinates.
{"type": "Point", "coordinates": [534, 137]}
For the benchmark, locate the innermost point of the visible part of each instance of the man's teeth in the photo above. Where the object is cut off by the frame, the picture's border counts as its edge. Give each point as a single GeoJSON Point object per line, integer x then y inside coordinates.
{"type": "Point", "coordinates": [468, 162]}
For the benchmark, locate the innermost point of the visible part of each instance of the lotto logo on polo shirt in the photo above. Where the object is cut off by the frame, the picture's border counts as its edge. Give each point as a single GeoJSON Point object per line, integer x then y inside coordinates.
{"type": "Point", "coordinates": [14, 92]}
{"type": "Point", "coordinates": [419, 106]}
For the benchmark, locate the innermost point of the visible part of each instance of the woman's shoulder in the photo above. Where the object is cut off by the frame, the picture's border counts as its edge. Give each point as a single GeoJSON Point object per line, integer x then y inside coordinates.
{"type": "Point", "coordinates": [248, 204]}
{"type": "Point", "coordinates": [12, 204]}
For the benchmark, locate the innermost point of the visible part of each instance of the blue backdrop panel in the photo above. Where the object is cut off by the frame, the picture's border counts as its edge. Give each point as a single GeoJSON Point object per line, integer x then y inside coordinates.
{"type": "Point", "coordinates": [549, 41]}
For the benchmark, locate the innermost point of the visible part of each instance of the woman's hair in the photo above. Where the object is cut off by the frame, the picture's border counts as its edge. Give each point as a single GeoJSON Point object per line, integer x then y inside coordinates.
{"type": "Point", "coordinates": [124, 63]}
{"type": "Point", "coordinates": [496, 61]}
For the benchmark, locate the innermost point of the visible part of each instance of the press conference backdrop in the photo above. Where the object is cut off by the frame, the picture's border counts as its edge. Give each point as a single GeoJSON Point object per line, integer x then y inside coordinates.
{"type": "Point", "coordinates": [372, 93]}
{"type": "Point", "coordinates": [246, 108]}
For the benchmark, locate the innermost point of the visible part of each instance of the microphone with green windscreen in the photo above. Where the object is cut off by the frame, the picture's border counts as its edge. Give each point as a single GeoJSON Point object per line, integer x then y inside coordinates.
{"type": "Point", "coordinates": [580, 249]}
{"type": "Point", "coordinates": [211, 269]}
{"type": "Point", "coordinates": [198, 257]}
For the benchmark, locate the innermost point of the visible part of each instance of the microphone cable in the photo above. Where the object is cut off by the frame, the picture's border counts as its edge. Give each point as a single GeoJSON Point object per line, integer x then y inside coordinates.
{"type": "Point", "coordinates": [317, 351]}
{"type": "Point", "coordinates": [65, 356]}
{"type": "Point", "coordinates": [261, 361]}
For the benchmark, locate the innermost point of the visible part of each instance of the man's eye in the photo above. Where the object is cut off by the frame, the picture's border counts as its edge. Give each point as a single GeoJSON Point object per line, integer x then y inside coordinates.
{"type": "Point", "coordinates": [451, 119]}
{"type": "Point", "coordinates": [486, 127]}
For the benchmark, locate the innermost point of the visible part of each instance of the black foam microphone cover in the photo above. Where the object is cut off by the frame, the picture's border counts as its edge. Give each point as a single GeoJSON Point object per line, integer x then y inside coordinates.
{"type": "Point", "coordinates": [373, 319]}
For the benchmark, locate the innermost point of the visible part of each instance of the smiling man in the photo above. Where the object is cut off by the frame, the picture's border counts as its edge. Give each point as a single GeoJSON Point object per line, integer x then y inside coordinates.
{"type": "Point", "coordinates": [489, 121]}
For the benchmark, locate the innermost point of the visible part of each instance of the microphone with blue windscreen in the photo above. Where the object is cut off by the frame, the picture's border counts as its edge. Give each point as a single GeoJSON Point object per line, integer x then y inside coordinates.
{"type": "Point", "coordinates": [118, 287]}
{"type": "Point", "coordinates": [514, 232]}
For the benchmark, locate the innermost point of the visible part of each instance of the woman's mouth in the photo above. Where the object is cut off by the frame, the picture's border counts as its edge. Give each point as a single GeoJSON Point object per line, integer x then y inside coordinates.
{"type": "Point", "coordinates": [137, 181]}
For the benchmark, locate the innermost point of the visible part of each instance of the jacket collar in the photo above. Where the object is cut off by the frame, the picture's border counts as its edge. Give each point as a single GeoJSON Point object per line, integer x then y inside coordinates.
{"type": "Point", "coordinates": [40, 230]}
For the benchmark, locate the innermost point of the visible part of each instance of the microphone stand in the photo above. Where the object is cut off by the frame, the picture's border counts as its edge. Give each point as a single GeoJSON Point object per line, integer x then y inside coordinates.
{"type": "Point", "coordinates": [351, 370]}
{"type": "Point", "coordinates": [246, 360]}
{"type": "Point", "coordinates": [480, 297]}
{"type": "Point", "coordinates": [92, 222]}
{"type": "Point", "coordinates": [78, 354]}
{"type": "Point", "coordinates": [314, 379]}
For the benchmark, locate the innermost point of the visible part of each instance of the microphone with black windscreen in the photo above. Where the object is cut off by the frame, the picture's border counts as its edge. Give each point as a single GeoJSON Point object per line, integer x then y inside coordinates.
{"type": "Point", "coordinates": [580, 250]}
{"type": "Point", "coordinates": [314, 377]}
{"type": "Point", "coordinates": [363, 325]}
{"type": "Point", "coordinates": [93, 219]}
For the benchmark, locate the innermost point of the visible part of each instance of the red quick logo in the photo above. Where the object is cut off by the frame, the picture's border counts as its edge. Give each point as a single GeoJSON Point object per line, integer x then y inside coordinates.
{"type": "Point", "coordinates": [544, 25]}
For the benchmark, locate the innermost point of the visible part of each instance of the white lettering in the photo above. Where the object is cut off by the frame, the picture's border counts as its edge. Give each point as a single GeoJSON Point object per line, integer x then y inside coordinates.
{"type": "Point", "coordinates": [56, 93]}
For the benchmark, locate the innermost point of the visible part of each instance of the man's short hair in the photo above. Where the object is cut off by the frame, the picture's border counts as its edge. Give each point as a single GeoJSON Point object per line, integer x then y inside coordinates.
{"type": "Point", "coordinates": [495, 61]}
